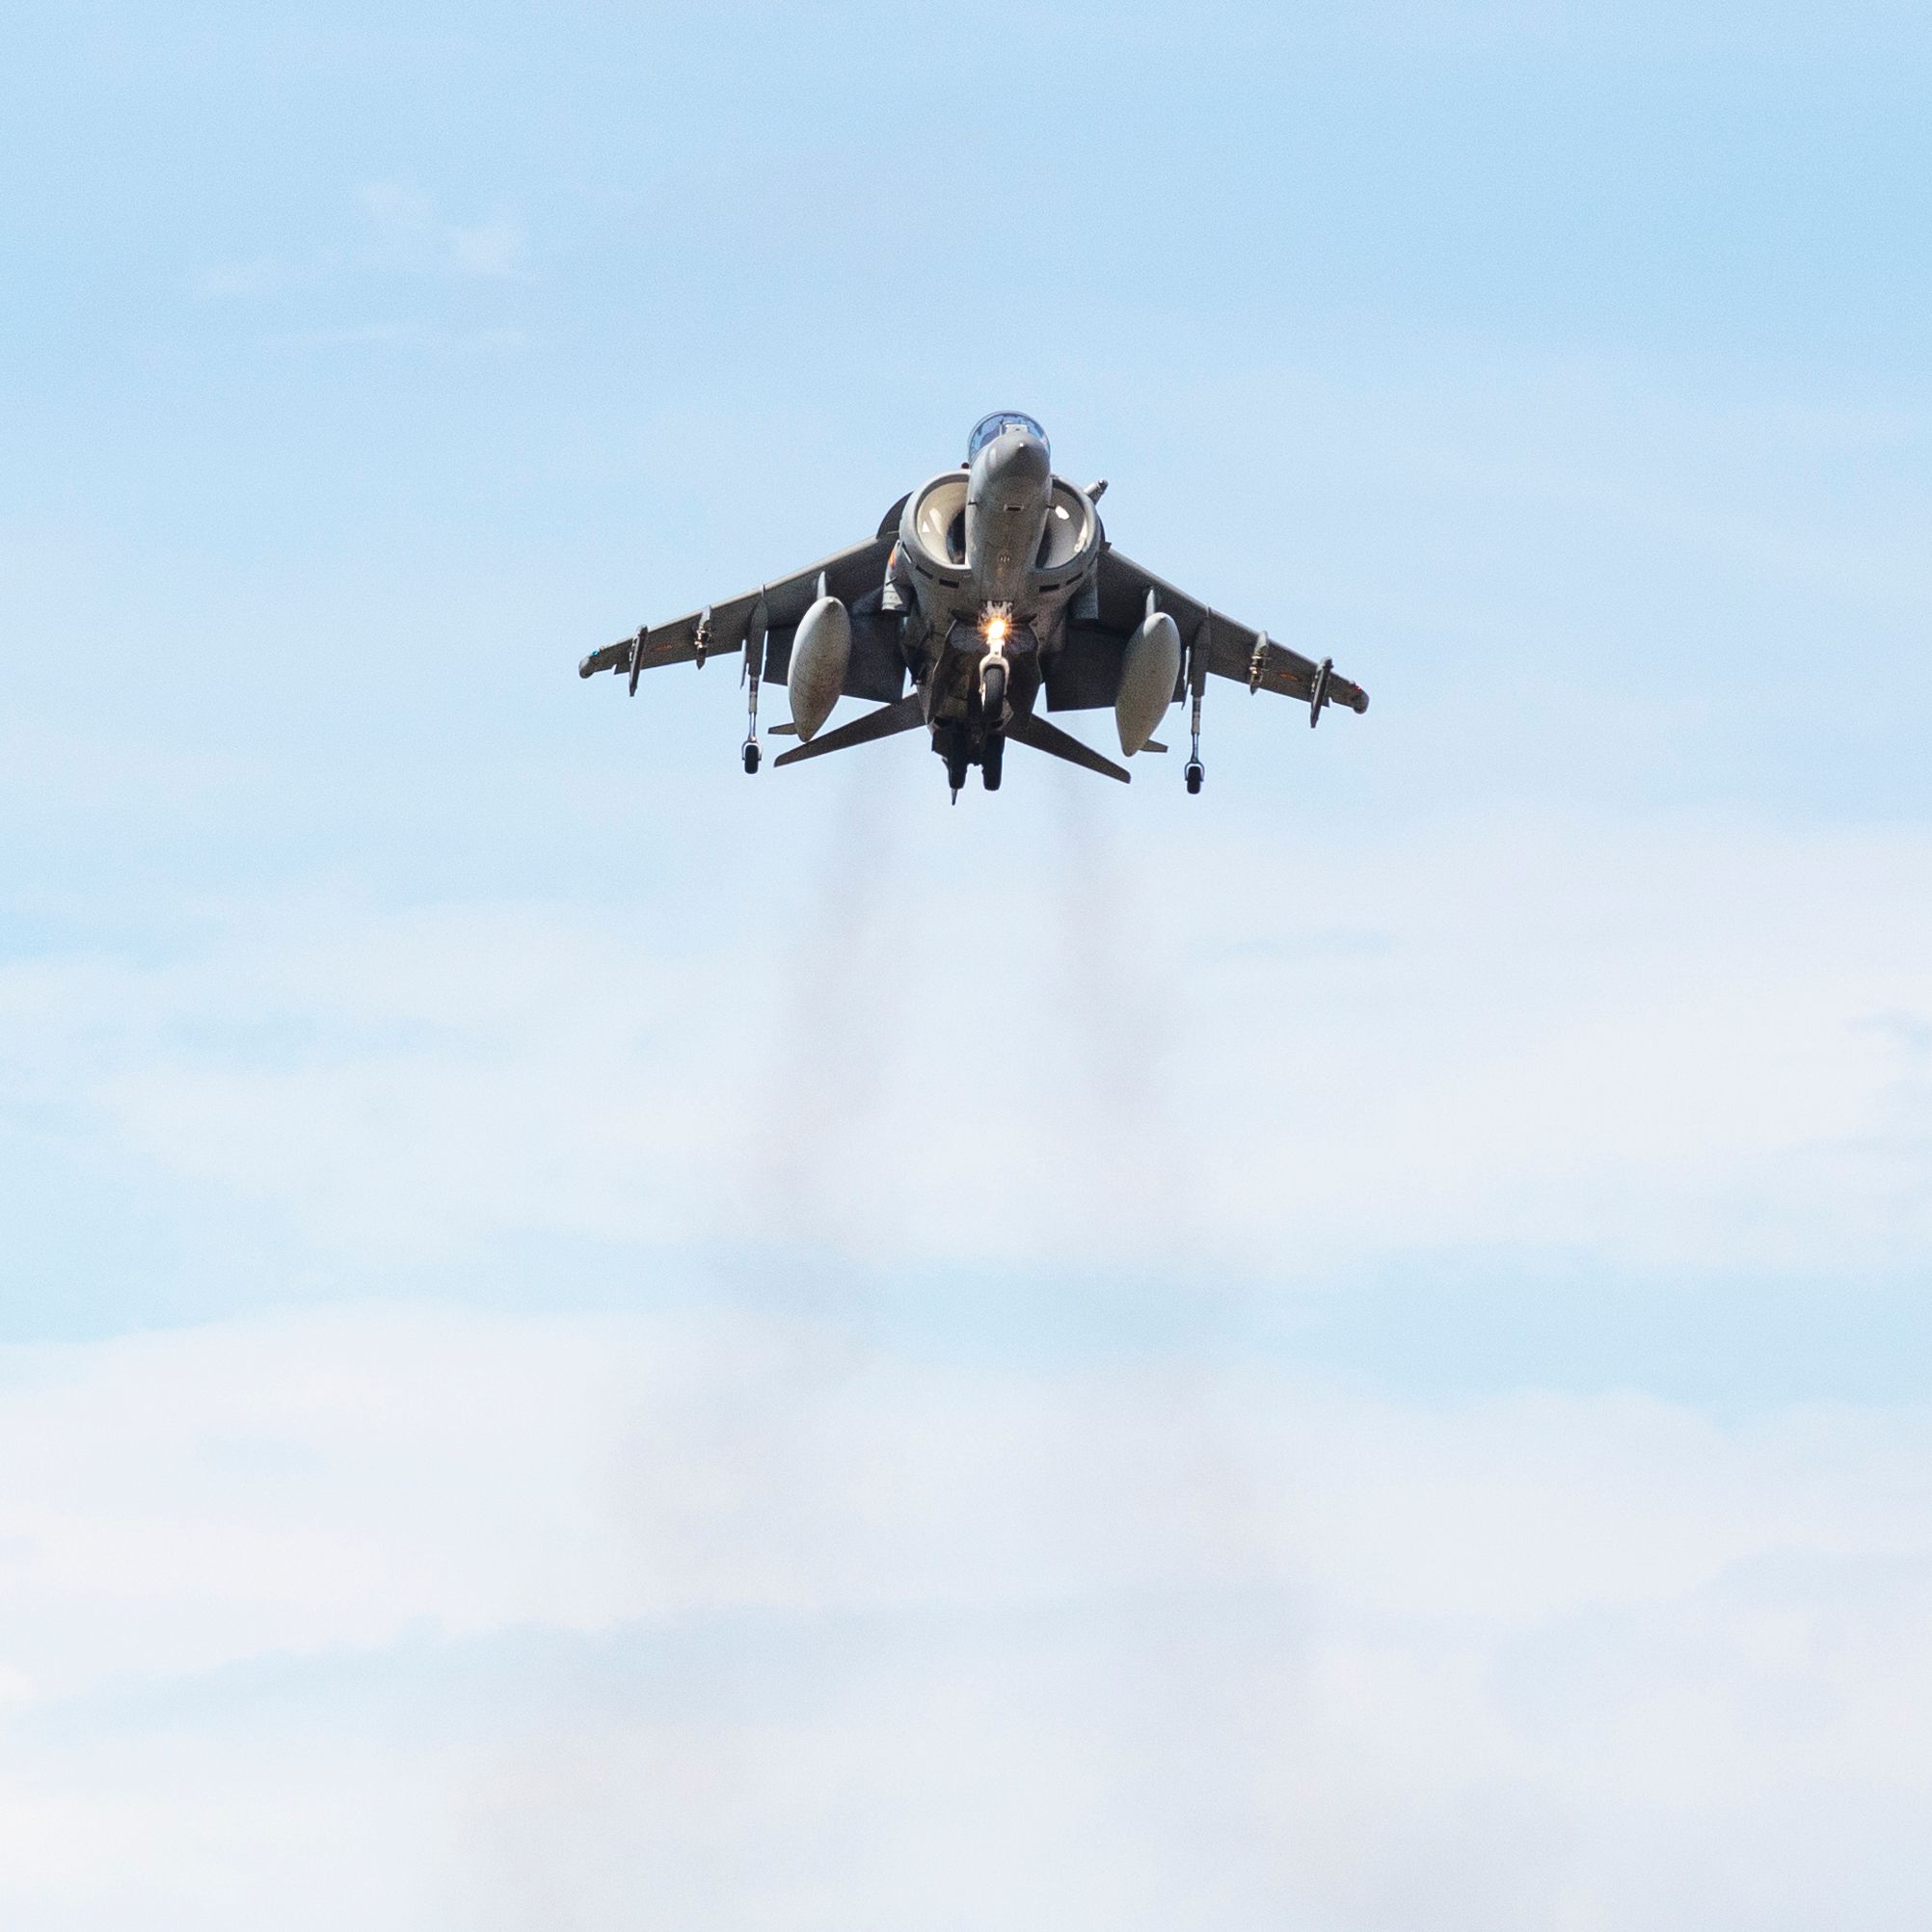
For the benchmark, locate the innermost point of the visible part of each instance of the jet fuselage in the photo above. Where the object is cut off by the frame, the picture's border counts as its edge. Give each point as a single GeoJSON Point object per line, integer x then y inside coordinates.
{"type": "Point", "coordinates": [989, 560]}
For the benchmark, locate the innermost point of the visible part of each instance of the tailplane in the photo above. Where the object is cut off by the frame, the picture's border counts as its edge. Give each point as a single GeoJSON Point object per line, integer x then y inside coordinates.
{"type": "Point", "coordinates": [1027, 729]}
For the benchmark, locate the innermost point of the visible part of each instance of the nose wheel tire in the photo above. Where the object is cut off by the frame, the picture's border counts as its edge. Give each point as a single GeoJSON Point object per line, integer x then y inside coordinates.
{"type": "Point", "coordinates": [1196, 773]}
{"type": "Point", "coordinates": [751, 755]}
{"type": "Point", "coordinates": [993, 693]}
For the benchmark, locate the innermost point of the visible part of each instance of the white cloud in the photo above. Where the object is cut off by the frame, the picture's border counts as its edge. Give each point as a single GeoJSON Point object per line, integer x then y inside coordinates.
{"type": "Point", "coordinates": [413, 235]}
{"type": "Point", "coordinates": [756, 1623]}
{"type": "Point", "coordinates": [407, 234]}
{"type": "Point", "coordinates": [1674, 1044]}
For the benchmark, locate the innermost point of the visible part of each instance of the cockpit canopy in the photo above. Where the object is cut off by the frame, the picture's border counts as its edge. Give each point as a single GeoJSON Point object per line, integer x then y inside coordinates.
{"type": "Point", "coordinates": [990, 426]}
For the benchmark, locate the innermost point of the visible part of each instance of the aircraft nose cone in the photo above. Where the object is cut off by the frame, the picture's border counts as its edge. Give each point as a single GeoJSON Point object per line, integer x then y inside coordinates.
{"type": "Point", "coordinates": [1018, 459]}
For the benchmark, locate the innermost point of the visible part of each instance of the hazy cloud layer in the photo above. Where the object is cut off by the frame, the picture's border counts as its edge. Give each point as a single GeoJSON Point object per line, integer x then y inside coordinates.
{"type": "Point", "coordinates": [1677, 1044]}
{"type": "Point", "coordinates": [481, 1621]}
{"type": "Point", "coordinates": [902, 1498]}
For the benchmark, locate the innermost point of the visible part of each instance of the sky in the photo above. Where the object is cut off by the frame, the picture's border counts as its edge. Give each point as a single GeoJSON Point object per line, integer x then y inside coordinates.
{"type": "Point", "coordinates": [587, 1342]}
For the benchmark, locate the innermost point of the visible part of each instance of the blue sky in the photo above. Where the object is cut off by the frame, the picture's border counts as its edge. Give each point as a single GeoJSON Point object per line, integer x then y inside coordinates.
{"type": "Point", "coordinates": [578, 1328]}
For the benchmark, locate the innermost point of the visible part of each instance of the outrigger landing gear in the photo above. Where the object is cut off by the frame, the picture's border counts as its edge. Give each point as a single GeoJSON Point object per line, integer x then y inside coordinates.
{"type": "Point", "coordinates": [1197, 677]}
{"type": "Point", "coordinates": [754, 667]}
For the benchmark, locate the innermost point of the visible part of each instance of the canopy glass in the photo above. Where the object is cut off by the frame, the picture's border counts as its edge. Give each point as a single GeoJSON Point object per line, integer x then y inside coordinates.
{"type": "Point", "coordinates": [1001, 419]}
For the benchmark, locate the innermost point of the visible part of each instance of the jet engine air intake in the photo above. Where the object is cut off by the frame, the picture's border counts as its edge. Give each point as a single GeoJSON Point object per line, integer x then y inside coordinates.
{"type": "Point", "coordinates": [1072, 530]}
{"type": "Point", "coordinates": [933, 528]}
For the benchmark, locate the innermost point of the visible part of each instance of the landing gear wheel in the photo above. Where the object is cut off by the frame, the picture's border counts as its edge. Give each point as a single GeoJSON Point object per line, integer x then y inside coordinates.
{"type": "Point", "coordinates": [993, 693]}
{"type": "Point", "coordinates": [956, 765]}
{"type": "Point", "coordinates": [991, 758]}
{"type": "Point", "coordinates": [751, 755]}
{"type": "Point", "coordinates": [1196, 773]}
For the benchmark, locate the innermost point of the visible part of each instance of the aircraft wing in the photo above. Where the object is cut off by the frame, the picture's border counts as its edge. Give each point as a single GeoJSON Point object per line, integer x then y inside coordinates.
{"type": "Point", "coordinates": [849, 575]}
{"type": "Point", "coordinates": [1231, 651]}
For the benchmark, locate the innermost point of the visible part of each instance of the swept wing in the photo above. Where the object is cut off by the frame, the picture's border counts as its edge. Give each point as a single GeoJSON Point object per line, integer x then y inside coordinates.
{"type": "Point", "coordinates": [854, 576]}
{"type": "Point", "coordinates": [1089, 673]}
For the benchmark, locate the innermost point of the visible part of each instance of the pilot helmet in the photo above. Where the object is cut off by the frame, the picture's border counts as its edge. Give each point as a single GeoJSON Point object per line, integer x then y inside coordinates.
{"type": "Point", "coordinates": [988, 427]}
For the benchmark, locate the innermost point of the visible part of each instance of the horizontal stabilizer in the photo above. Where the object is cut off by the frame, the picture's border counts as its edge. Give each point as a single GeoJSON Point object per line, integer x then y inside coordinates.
{"type": "Point", "coordinates": [1027, 729]}
{"type": "Point", "coordinates": [885, 722]}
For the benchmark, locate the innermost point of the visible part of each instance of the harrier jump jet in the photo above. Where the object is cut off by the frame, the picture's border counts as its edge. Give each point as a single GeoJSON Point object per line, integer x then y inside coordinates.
{"type": "Point", "coordinates": [987, 589]}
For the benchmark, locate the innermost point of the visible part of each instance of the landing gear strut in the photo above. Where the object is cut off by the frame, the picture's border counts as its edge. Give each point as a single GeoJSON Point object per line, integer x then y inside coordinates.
{"type": "Point", "coordinates": [1196, 770]}
{"type": "Point", "coordinates": [754, 667]}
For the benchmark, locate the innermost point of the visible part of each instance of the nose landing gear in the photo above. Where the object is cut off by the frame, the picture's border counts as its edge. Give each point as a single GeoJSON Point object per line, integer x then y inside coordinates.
{"type": "Point", "coordinates": [993, 690]}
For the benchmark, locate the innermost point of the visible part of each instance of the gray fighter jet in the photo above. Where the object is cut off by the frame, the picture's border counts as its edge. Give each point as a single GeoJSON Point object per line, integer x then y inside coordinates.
{"type": "Point", "coordinates": [986, 588]}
